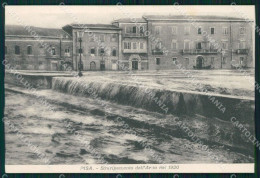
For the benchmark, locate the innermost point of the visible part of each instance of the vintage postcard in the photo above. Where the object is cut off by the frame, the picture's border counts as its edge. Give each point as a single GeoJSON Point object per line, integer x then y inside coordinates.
{"type": "Point", "coordinates": [130, 89]}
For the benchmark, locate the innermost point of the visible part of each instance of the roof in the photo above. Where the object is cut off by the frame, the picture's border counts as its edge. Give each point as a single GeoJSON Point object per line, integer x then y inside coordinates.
{"type": "Point", "coordinates": [95, 26]}
{"type": "Point", "coordinates": [190, 17]}
{"type": "Point", "coordinates": [130, 20]}
{"type": "Point", "coordinates": [20, 30]}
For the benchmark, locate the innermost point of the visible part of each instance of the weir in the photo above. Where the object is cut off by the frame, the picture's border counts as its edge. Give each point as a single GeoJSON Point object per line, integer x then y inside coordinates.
{"type": "Point", "coordinates": [162, 101]}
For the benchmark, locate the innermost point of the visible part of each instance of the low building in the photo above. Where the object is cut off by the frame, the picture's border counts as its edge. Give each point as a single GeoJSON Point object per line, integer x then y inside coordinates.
{"type": "Point", "coordinates": [27, 52]}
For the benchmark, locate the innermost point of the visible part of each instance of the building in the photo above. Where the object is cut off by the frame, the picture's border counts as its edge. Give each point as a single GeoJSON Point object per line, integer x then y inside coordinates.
{"type": "Point", "coordinates": [133, 43]}
{"type": "Point", "coordinates": [38, 52]}
{"type": "Point", "coordinates": [152, 42]}
{"type": "Point", "coordinates": [100, 44]}
{"type": "Point", "coordinates": [199, 42]}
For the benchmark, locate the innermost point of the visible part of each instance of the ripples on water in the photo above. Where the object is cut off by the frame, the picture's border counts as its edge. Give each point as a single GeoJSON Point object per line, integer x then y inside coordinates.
{"type": "Point", "coordinates": [109, 141]}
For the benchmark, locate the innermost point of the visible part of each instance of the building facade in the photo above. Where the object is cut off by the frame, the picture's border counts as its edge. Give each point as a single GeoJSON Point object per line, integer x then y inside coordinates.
{"type": "Point", "coordinates": [98, 47]}
{"type": "Point", "coordinates": [204, 43]}
{"type": "Point", "coordinates": [133, 43]}
{"type": "Point", "coordinates": [41, 53]}
{"type": "Point", "coordinates": [148, 43]}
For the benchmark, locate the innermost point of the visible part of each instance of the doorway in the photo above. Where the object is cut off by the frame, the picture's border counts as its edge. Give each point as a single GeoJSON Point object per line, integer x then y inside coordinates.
{"type": "Point", "coordinates": [135, 65]}
{"type": "Point", "coordinates": [102, 65]}
{"type": "Point", "coordinates": [199, 62]}
{"type": "Point", "coordinates": [92, 65]}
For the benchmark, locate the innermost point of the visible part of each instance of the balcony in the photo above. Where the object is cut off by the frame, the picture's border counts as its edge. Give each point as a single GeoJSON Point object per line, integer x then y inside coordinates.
{"type": "Point", "coordinates": [134, 35]}
{"type": "Point", "coordinates": [199, 51]}
{"type": "Point", "coordinates": [131, 51]}
{"type": "Point", "coordinates": [157, 52]}
{"type": "Point", "coordinates": [242, 51]}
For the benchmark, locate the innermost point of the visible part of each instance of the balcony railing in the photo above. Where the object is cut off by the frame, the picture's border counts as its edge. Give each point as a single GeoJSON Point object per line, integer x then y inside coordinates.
{"type": "Point", "coordinates": [134, 35]}
{"type": "Point", "coordinates": [157, 52]}
{"type": "Point", "coordinates": [242, 51]}
{"type": "Point", "coordinates": [199, 51]}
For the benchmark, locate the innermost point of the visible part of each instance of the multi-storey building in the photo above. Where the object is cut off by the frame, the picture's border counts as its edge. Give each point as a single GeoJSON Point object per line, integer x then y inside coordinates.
{"type": "Point", "coordinates": [199, 42]}
{"type": "Point", "coordinates": [149, 43]}
{"type": "Point", "coordinates": [27, 52]}
{"type": "Point", "coordinates": [100, 46]}
{"type": "Point", "coordinates": [133, 44]}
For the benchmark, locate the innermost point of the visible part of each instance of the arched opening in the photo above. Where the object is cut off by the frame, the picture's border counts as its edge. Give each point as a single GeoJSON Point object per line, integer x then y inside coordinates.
{"type": "Point", "coordinates": [92, 65]}
{"type": "Point", "coordinates": [199, 62]}
{"type": "Point", "coordinates": [135, 62]}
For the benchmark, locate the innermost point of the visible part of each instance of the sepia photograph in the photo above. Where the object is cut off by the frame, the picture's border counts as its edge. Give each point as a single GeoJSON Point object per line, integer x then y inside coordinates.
{"type": "Point", "coordinates": [121, 88]}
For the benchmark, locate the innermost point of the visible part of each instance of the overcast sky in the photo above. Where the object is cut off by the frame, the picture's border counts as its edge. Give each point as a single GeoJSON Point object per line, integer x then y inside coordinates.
{"type": "Point", "coordinates": [60, 15]}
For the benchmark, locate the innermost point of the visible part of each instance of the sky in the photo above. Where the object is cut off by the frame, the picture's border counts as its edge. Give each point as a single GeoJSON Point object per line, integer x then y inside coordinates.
{"type": "Point", "coordinates": [60, 15]}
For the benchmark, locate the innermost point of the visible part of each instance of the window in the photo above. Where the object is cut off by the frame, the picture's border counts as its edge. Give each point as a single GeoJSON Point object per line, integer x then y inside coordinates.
{"type": "Point", "coordinates": [67, 52]}
{"type": "Point", "coordinates": [29, 50]}
{"type": "Point", "coordinates": [17, 49]}
{"type": "Point", "coordinates": [102, 51]}
{"type": "Point", "coordinates": [107, 51]}
{"type": "Point", "coordinates": [114, 52]}
{"type": "Point", "coordinates": [198, 46]}
{"type": "Point", "coordinates": [158, 45]}
{"type": "Point", "coordinates": [141, 45]}
{"type": "Point", "coordinates": [186, 44]}
{"type": "Point", "coordinates": [127, 45]}
{"type": "Point", "coordinates": [241, 45]}
{"type": "Point", "coordinates": [158, 61]}
{"type": "Point", "coordinates": [40, 63]}
{"type": "Point", "coordinates": [157, 30]}
{"type": "Point", "coordinates": [186, 30]}
{"type": "Point", "coordinates": [242, 30]}
{"type": "Point", "coordinates": [212, 46]}
{"type": "Point", "coordinates": [53, 51]}
{"type": "Point", "coordinates": [134, 29]}
{"type": "Point", "coordinates": [241, 60]}
{"type": "Point", "coordinates": [5, 50]}
{"type": "Point", "coordinates": [141, 30]}
{"type": "Point", "coordinates": [174, 44]}
{"type": "Point", "coordinates": [174, 60]}
{"type": "Point", "coordinates": [212, 31]}
{"type": "Point", "coordinates": [174, 30]}
{"type": "Point", "coordinates": [224, 60]}
{"type": "Point", "coordinates": [113, 37]}
{"type": "Point", "coordinates": [224, 45]}
{"type": "Point", "coordinates": [225, 30]}
{"type": "Point", "coordinates": [102, 38]}
{"type": "Point", "coordinates": [134, 45]}
{"type": "Point", "coordinates": [187, 60]}
{"type": "Point", "coordinates": [92, 51]}
{"type": "Point", "coordinates": [212, 60]}
{"type": "Point", "coordinates": [199, 30]}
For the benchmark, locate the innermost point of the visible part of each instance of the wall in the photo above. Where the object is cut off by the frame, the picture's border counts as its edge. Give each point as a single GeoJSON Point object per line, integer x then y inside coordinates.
{"type": "Point", "coordinates": [87, 44]}
{"type": "Point", "coordinates": [41, 58]}
{"type": "Point", "coordinates": [166, 37]}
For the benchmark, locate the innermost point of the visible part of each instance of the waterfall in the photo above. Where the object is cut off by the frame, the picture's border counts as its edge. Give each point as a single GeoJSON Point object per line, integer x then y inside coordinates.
{"type": "Point", "coordinates": [156, 100]}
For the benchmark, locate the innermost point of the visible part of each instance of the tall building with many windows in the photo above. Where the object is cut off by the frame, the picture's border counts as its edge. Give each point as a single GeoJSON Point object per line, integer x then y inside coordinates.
{"type": "Point", "coordinates": [199, 42]}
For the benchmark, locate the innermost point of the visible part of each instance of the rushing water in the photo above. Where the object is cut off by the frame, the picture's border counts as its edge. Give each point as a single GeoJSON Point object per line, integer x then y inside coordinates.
{"type": "Point", "coordinates": [83, 131]}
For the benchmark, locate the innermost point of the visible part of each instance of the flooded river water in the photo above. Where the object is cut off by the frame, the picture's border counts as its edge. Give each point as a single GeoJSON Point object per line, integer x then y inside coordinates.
{"type": "Point", "coordinates": [80, 130]}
